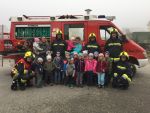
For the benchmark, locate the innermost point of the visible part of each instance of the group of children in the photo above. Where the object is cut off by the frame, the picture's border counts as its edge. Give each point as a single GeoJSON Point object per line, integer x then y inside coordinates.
{"type": "Point", "coordinates": [75, 69]}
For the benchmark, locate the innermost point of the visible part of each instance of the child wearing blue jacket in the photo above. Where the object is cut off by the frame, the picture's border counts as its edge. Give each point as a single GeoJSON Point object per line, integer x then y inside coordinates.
{"type": "Point", "coordinates": [78, 46]}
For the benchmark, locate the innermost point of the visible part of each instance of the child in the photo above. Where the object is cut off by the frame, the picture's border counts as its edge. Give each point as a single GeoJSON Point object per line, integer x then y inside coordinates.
{"type": "Point", "coordinates": [75, 56]}
{"type": "Point", "coordinates": [49, 67]}
{"type": "Point", "coordinates": [67, 55]}
{"type": "Point", "coordinates": [36, 46]}
{"type": "Point", "coordinates": [67, 58]}
{"type": "Point", "coordinates": [70, 72]}
{"type": "Point", "coordinates": [39, 72]}
{"type": "Point", "coordinates": [79, 67]}
{"type": "Point", "coordinates": [70, 44]}
{"type": "Point", "coordinates": [90, 68]}
{"type": "Point", "coordinates": [58, 61]}
{"type": "Point", "coordinates": [108, 68]}
{"type": "Point", "coordinates": [96, 55]}
{"type": "Point", "coordinates": [78, 46]}
{"type": "Point", "coordinates": [85, 54]}
{"type": "Point", "coordinates": [100, 69]}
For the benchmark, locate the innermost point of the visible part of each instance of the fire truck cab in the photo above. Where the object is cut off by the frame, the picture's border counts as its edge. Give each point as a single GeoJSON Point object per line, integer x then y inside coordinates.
{"type": "Point", "coordinates": [28, 27]}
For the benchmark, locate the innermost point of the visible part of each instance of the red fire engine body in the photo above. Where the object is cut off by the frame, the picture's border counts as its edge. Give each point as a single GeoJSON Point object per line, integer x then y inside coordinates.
{"type": "Point", "coordinates": [28, 27]}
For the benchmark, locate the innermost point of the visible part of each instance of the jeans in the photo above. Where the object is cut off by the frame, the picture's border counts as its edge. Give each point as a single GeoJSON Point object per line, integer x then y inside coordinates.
{"type": "Point", "coordinates": [57, 77]}
{"type": "Point", "coordinates": [79, 78]}
{"type": "Point", "coordinates": [101, 78]}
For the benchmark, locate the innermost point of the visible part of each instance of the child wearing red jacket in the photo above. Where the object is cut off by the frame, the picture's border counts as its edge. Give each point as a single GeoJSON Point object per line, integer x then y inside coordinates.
{"type": "Point", "coordinates": [100, 69]}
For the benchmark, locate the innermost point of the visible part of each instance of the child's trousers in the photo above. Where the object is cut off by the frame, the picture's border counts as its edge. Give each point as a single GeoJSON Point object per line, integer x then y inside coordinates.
{"type": "Point", "coordinates": [39, 80]}
{"type": "Point", "coordinates": [101, 78]}
{"type": "Point", "coordinates": [79, 78]}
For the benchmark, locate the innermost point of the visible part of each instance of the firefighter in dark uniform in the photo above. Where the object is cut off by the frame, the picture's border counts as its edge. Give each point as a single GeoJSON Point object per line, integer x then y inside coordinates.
{"type": "Point", "coordinates": [21, 72]}
{"type": "Point", "coordinates": [114, 45]}
{"type": "Point", "coordinates": [122, 72]}
{"type": "Point", "coordinates": [59, 45]}
{"type": "Point", "coordinates": [92, 46]}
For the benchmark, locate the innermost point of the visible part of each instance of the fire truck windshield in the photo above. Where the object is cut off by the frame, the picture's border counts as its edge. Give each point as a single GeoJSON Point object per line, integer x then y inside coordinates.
{"type": "Point", "coordinates": [28, 31]}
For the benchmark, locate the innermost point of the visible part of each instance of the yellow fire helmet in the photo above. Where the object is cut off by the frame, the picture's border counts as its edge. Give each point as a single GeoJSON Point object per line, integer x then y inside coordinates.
{"type": "Point", "coordinates": [92, 35]}
{"type": "Point", "coordinates": [113, 30]}
{"type": "Point", "coordinates": [124, 54]}
{"type": "Point", "coordinates": [28, 54]}
{"type": "Point", "coordinates": [59, 32]}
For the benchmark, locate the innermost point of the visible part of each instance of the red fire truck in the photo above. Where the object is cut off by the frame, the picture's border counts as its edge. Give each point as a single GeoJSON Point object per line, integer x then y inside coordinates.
{"type": "Point", "coordinates": [28, 27]}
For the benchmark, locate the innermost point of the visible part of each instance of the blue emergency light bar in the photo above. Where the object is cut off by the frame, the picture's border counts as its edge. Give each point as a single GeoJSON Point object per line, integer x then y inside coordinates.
{"type": "Point", "coordinates": [101, 16]}
{"type": "Point", "coordinates": [111, 18]}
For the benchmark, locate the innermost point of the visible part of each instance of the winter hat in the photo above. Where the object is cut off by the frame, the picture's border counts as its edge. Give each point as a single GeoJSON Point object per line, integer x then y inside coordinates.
{"type": "Point", "coordinates": [40, 59]}
{"type": "Point", "coordinates": [75, 53]}
{"type": "Point", "coordinates": [66, 52]}
{"type": "Point", "coordinates": [96, 53]}
{"type": "Point", "coordinates": [80, 54]}
{"type": "Point", "coordinates": [85, 52]}
{"type": "Point", "coordinates": [91, 54]}
{"type": "Point", "coordinates": [107, 52]}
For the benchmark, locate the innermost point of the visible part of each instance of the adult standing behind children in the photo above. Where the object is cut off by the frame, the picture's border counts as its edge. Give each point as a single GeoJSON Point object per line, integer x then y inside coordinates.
{"type": "Point", "coordinates": [114, 45]}
{"type": "Point", "coordinates": [59, 44]}
{"type": "Point", "coordinates": [92, 46]}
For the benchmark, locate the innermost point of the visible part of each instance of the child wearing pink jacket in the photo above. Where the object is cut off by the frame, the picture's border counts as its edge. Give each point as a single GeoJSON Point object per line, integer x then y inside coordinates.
{"type": "Point", "coordinates": [90, 68]}
{"type": "Point", "coordinates": [70, 44]}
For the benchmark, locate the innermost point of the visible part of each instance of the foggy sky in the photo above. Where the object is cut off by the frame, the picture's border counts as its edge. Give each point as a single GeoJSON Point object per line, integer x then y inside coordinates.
{"type": "Point", "coordinates": [129, 13]}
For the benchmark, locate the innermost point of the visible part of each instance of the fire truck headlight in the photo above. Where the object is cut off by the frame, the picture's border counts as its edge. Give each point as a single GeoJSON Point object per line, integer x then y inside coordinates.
{"type": "Point", "coordinates": [145, 54]}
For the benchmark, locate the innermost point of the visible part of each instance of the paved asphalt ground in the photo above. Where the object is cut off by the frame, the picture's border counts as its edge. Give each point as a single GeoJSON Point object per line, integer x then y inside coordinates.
{"type": "Point", "coordinates": [61, 99]}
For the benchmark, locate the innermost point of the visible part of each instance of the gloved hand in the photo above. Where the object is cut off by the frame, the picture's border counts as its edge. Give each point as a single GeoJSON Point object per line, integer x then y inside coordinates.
{"type": "Point", "coordinates": [115, 74]}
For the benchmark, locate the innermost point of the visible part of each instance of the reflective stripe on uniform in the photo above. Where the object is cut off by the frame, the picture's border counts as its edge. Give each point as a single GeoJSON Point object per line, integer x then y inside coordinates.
{"type": "Point", "coordinates": [121, 67]}
{"type": "Point", "coordinates": [114, 44]}
{"type": "Point", "coordinates": [115, 59]}
{"type": "Point", "coordinates": [55, 44]}
{"type": "Point", "coordinates": [126, 77]}
{"type": "Point", "coordinates": [115, 74]}
{"type": "Point", "coordinates": [92, 46]}
{"type": "Point", "coordinates": [62, 44]}
{"type": "Point", "coordinates": [23, 81]}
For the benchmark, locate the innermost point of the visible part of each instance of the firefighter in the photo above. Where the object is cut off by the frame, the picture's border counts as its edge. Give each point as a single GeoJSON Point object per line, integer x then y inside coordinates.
{"type": "Point", "coordinates": [122, 72]}
{"type": "Point", "coordinates": [59, 45]}
{"type": "Point", "coordinates": [92, 46]}
{"type": "Point", "coordinates": [21, 72]}
{"type": "Point", "coordinates": [114, 45]}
